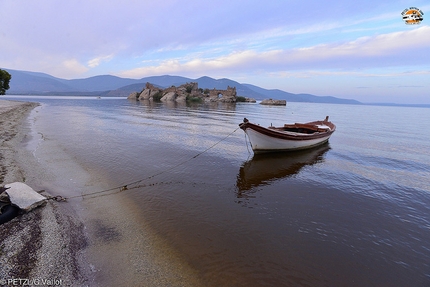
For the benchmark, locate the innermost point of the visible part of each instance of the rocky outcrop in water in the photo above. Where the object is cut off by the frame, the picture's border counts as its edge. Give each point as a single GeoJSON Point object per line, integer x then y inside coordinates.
{"type": "Point", "coordinates": [186, 92]}
{"type": "Point", "coordinates": [274, 102]}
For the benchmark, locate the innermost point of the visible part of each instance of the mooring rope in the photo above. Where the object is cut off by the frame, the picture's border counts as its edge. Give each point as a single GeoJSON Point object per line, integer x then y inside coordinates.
{"type": "Point", "coordinates": [127, 186]}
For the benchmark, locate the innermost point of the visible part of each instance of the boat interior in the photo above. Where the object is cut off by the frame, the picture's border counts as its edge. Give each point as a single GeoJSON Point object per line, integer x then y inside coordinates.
{"type": "Point", "coordinates": [302, 128]}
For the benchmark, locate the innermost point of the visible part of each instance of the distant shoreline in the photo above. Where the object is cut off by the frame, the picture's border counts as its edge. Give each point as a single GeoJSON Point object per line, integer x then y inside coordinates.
{"type": "Point", "coordinates": [258, 100]}
{"type": "Point", "coordinates": [108, 85]}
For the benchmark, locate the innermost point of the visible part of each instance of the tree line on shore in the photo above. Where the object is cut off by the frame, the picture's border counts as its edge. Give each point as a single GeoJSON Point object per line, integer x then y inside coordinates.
{"type": "Point", "coordinates": [4, 81]}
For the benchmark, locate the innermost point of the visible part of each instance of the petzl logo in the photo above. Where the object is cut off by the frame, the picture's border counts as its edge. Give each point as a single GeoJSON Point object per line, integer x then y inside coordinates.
{"type": "Point", "coordinates": [412, 16]}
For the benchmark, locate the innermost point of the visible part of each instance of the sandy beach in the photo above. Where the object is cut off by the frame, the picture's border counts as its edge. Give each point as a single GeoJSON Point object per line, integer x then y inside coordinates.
{"type": "Point", "coordinates": [46, 243]}
{"type": "Point", "coordinates": [82, 242]}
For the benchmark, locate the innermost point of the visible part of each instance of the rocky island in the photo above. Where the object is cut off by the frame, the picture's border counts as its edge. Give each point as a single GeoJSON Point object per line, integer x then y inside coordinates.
{"type": "Point", "coordinates": [188, 92]}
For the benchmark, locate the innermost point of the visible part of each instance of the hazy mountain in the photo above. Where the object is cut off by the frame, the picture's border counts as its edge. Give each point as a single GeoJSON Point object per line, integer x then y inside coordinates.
{"type": "Point", "coordinates": [278, 94]}
{"type": "Point", "coordinates": [31, 82]}
{"type": "Point", "coordinates": [100, 83]}
{"type": "Point", "coordinates": [41, 83]}
{"type": "Point", "coordinates": [165, 81]}
{"type": "Point", "coordinates": [35, 83]}
{"type": "Point", "coordinates": [222, 84]}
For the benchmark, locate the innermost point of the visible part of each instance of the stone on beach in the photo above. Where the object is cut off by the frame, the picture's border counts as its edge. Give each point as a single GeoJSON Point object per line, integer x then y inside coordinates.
{"type": "Point", "coordinates": [24, 196]}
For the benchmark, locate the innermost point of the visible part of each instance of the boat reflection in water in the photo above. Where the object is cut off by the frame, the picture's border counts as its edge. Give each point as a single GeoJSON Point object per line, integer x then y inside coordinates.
{"type": "Point", "coordinates": [266, 168]}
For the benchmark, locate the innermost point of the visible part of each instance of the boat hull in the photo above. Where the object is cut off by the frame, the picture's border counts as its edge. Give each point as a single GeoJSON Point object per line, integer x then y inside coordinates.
{"type": "Point", "coordinates": [263, 143]}
{"type": "Point", "coordinates": [275, 140]}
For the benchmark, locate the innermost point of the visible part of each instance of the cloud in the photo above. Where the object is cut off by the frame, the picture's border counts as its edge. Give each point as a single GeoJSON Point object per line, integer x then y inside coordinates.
{"type": "Point", "coordinates": [193, 66]}
{"type": "Point", "coordinates": [398, 48]}
{"type": "Point", "coordinates": [96, 61]}
{"type": "Point", "coordinates": [391, 49]}
{"type": "Point", "coordinates": [70, 67]}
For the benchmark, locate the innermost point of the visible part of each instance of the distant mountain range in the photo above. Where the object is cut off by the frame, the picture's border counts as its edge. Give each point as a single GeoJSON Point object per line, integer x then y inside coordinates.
{"type": "Point", "coordinates": [34, 83]}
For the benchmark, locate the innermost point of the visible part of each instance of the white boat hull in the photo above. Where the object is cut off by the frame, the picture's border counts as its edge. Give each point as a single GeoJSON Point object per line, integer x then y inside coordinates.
{"type": "Point", "coordinates": [263, 143]}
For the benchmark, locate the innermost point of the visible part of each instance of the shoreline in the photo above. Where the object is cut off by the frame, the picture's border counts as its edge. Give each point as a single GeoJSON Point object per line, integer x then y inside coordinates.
{"type": "Point", "coordinates": [83, 242]}
{"type": "Point", "coordinates": [46, 243]}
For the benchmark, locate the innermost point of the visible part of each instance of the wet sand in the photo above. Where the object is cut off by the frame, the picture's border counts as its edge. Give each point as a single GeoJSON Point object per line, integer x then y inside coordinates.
{"type": "Point", "coordinates": [96, 241]}
{"type": "Point", "coordinates": [36, 244]}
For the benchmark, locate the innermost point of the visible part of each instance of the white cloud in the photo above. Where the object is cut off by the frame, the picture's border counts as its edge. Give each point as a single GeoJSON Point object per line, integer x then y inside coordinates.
{"type": "Point", "coordinates": [96, 61]}
{"type": "Point", "coordinates": [391, 49]}
{"type": "Point", "coordinates": [370, 51]}
{"type": "Point", "coordinates": [70, 67]}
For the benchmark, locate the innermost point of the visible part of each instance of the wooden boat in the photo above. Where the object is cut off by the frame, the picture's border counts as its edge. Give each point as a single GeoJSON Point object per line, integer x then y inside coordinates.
{"type": "Point", "coordinates": [290, 137]}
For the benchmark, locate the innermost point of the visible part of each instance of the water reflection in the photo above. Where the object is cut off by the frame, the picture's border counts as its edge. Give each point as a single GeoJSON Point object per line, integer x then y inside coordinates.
{"type": "Point", "coordinates": [192, 105]}
{"type": "Point", "coordinates": [263, 169]}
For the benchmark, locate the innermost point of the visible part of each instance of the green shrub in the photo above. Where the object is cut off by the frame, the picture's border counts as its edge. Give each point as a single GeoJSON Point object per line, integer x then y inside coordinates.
{"type": "Point", "coordinates": [157, 97]}
{"type": "Point", "coordinates": [240, 99]}
{"type": "Point", "coordinates": [194, 99]}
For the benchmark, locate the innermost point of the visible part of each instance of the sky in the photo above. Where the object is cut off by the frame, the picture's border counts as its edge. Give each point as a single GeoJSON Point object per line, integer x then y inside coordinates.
{"type": "Point", "coordinates": [359, 50]}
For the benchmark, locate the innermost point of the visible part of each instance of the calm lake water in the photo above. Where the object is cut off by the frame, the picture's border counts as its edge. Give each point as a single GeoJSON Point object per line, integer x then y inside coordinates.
{"type": "Point", "coordinates": [354, 212]}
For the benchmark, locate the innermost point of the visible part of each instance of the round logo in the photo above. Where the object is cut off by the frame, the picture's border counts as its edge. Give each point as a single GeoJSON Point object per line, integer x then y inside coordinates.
{"type": "Point", "coordinates": [412, 16]}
